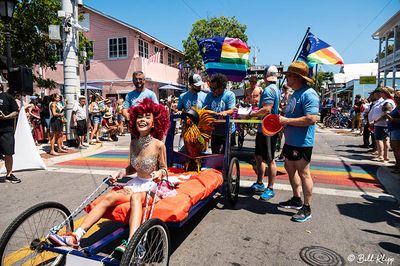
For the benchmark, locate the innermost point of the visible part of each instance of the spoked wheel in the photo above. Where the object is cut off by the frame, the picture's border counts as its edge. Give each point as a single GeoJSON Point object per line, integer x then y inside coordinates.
{"type": "Point", "coordinates": [24, 240]}
{"type": "Point", "coordinates": [150, 245]}
{"type": "Point", "coordinates": [232, 182]}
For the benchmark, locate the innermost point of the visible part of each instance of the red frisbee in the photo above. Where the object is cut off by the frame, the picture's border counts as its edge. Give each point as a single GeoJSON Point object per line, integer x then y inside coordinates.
{"type": "Point", "coordinates": [270, 125]}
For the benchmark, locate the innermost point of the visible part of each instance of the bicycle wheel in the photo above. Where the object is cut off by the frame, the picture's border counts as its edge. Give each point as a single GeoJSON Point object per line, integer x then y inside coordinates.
{"type": "Point", "coordinates": [150, 245]}
{"type": "Point", "coordinates": [232, 182]}
{"type": "Point", "coordinates": [23, 241]}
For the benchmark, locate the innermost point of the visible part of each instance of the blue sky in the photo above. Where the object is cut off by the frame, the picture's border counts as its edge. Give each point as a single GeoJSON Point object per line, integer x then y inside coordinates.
{"type": "Point", "coordinates": [275, 27]}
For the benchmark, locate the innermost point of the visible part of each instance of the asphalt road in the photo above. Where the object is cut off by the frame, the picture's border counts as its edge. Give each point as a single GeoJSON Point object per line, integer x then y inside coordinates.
{"type": "Point", "coordinates": [349, 224]}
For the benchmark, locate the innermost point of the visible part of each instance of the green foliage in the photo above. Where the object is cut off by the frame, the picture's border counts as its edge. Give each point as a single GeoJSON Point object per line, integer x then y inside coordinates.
{"type": "Point", "coordinates": [30, 43]}
{"type": "Point", "coordinates": [322, 77]}
{"type": "Point", "coordinates": [208, 28]}
{"type": "Point", "coordinates": [45, 83]}
{"type": "Point", "coordinates": [382, 54]}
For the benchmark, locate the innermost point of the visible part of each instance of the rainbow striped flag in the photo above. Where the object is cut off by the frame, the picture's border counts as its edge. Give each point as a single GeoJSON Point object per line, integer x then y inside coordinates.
{"type": "Point", "coordinates": [316, 51]}
{"type": "Point", "coordinates": [228, 56]}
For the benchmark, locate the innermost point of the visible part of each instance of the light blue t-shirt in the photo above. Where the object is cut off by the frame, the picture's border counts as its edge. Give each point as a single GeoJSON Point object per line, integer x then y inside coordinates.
{"type": "Point", "coordinates": [134, 96]}
{"type": "Point", "coordinates": [302, 102]}
{"type": "Point", "coordinates": [189, 100]}
{"type": "Point", "coordinates": [223, 102]}
{"type": "Point", "coordinates": [271, 95]}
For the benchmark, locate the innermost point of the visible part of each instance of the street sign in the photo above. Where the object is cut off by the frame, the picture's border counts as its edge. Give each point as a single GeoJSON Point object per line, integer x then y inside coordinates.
{"type": "Point", "coordinates": [367, 79]}
{"type": "Point", "coordinates": [336, 86]}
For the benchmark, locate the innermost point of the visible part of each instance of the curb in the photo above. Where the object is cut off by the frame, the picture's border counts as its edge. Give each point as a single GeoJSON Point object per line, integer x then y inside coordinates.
{"type": "Point", "coordinates": [390, 181]}
{"type": "Point", "coordinates": [79, 153]}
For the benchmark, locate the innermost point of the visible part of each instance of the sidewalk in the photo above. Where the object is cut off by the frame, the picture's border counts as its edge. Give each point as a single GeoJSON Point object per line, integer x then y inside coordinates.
{"type": "Point", "coordinates": [389, 180]}
{"type": "Point", "coordinates": [72, 153]}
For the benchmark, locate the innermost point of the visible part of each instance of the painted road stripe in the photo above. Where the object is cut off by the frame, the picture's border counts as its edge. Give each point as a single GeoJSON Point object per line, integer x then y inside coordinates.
{"type": "Point", "coordinates": [248, 183]}
{"type": "Point", "coordinates": [330, 191]}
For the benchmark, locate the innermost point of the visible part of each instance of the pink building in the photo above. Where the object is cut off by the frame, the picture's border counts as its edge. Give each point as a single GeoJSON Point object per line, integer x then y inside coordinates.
{"type": "Point", "coordinates": [119, 49]}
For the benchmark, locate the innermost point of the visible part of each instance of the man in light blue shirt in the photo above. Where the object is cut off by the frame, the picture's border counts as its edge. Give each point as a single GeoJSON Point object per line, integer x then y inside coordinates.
{"type": "Point", "coordinates": [222, 102]}
{"type": "Point", "coordinates": [138, 94]}
{"type": "Point", "coordinates": [194, 96]}
{"type": "Point", "coordinates": [265, 145]}
{"type": "Point", "coordinates": [299, 123]}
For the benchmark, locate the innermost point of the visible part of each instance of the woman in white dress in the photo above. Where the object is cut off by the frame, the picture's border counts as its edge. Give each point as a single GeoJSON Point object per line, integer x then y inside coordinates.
{"type": "Point", "coordinates": [149, 123]}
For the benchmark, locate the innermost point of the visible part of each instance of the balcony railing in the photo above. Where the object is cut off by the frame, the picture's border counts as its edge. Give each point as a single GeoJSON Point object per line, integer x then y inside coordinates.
{"type": "Point", "coordinates": [391, 58]}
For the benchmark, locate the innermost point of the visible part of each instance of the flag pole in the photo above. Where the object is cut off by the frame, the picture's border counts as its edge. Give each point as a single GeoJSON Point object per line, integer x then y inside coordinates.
{"type": "Point", "coordinates": [316, 80]}
{"type": "Point", "coordinates": [298, 50]}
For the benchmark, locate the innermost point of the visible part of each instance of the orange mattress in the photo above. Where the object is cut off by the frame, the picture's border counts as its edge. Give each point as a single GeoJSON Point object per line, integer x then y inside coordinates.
{"type": "Point", "coordinates": [176, 208]}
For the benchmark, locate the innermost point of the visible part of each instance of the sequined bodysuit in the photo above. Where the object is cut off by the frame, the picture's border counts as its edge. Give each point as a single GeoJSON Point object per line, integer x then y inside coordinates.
{"type": "Point", "coordinates": [144, 158]}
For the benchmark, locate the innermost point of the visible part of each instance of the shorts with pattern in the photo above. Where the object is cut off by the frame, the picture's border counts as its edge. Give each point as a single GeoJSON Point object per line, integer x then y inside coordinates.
{"type": "Point", "coordinates": [293, 153]}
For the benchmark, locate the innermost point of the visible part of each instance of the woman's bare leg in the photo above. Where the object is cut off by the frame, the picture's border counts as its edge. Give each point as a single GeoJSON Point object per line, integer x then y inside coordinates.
{"type": "Point", "coordinates": [110, 199]}
{"type": "Point", "coordinates": [136, 212]}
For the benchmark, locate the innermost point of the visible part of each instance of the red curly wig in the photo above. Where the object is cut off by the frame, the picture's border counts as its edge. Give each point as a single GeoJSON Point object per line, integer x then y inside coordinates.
{"type": "Point", "coordinates": [160, 113]}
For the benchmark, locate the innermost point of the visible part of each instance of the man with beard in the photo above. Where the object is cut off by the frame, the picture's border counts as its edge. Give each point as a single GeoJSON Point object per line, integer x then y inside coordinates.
{"type": "Point", "coordinates": [299, 128]}
{"type": "Point", "coordinates": [194, 96]}
{"type": "Point", "coordinates": [139, 93]}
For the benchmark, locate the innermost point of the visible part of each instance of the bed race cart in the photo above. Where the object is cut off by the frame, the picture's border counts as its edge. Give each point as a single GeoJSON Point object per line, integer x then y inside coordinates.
{"type": "Point", "coordinates": [25, 241]}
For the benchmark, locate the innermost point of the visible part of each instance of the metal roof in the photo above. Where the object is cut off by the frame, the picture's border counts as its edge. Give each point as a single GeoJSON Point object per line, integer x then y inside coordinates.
{"type": "Point", "coordinates": [394, 20]}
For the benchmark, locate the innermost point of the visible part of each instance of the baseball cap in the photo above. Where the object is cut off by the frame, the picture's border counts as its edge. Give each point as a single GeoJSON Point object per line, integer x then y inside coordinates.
{"type": "Point", "coordinates": [196, 80]}
{"type": "Point", "coordinates": [271, 73]}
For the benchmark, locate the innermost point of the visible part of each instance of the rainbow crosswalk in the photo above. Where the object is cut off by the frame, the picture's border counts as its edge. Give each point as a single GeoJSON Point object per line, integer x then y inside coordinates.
{"type": "Point", "coordinates": [324, 172]}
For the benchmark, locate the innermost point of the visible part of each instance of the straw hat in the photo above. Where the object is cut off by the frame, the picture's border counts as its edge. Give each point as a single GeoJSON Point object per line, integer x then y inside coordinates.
{"type": "Point", "coordinates": [107, 115]}
{"type": "Point", "coordinates": [299, 68]}
{"type": "Point", "coordinates": [388, 90]}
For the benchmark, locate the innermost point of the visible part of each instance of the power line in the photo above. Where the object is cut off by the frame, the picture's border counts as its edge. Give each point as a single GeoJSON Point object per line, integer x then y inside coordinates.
{"type": "Point", "coordinates": [194, 11]}
{"type": "Point", "coordinates": [355, 39]}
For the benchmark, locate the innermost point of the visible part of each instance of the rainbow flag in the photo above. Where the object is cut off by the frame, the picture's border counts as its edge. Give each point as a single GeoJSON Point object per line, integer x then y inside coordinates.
{"type": "Point", "coordinates": [316, 51]}
{"type": "Point", "coordinates": [228, 56]}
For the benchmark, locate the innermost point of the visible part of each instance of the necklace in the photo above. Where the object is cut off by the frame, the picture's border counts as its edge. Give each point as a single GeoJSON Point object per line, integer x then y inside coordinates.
{"type": "Point", "coordinates": [143, 142]}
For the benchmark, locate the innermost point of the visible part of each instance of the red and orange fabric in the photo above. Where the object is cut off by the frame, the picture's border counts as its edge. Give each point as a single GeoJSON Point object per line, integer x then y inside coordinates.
{"type": "Point", "coordinates": [176, 208]}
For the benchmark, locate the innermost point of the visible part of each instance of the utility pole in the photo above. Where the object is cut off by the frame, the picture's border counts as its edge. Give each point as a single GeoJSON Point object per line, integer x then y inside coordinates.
{"type": "Point", "coordinates": [71, 64]}
{"type": "Point", "coordinates": [256, 49]}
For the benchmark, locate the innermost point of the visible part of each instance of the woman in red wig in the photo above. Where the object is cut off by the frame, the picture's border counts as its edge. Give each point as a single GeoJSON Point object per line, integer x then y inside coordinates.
{"type": "Point", "coordinates": [149, 123]}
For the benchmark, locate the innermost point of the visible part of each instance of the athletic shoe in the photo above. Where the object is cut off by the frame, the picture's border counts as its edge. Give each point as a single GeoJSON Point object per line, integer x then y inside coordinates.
{"type": "Point", "coordinates": [293, 203]}
{"type": "Point", "coordinates": [13, 179]}
{"type": "Point", "coordinates": [85, 144]}
{"type": "Point", "coordinates": [257, 188]}
{"type": "Point", "coordinates": [121, 248]}
{"type": "Point", "coordinates": [64, 240]}
{"type": "Point", "coordinates": [302, 215]}
{"type": "Point", "coordinates": [267, 195]}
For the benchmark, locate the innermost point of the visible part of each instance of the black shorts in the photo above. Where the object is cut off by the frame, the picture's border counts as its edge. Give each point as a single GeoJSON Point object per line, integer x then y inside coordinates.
{"type": "Point", "coordinates": [81, 127]}
{"type": "Point", "coordinates": [293, 153]}
{"type": "Point", "coordinates": [217, 141]}
{"type": "Point", "coordinates": [56, 125]}
{"type": "Point", "coordinates": [266, 146]}
{"type": "Point", "coordinates": [7, 143]}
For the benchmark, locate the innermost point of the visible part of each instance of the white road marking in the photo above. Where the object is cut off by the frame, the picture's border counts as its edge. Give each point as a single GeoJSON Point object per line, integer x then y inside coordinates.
{"type": "Point", "coordinates": [248, 183]}
{"type": "Point", "coordinates": [330, 191]}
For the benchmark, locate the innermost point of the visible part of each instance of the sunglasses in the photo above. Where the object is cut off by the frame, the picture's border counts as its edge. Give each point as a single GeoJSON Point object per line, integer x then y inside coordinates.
{"type": "Point", "coordinates": [138, 79]}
